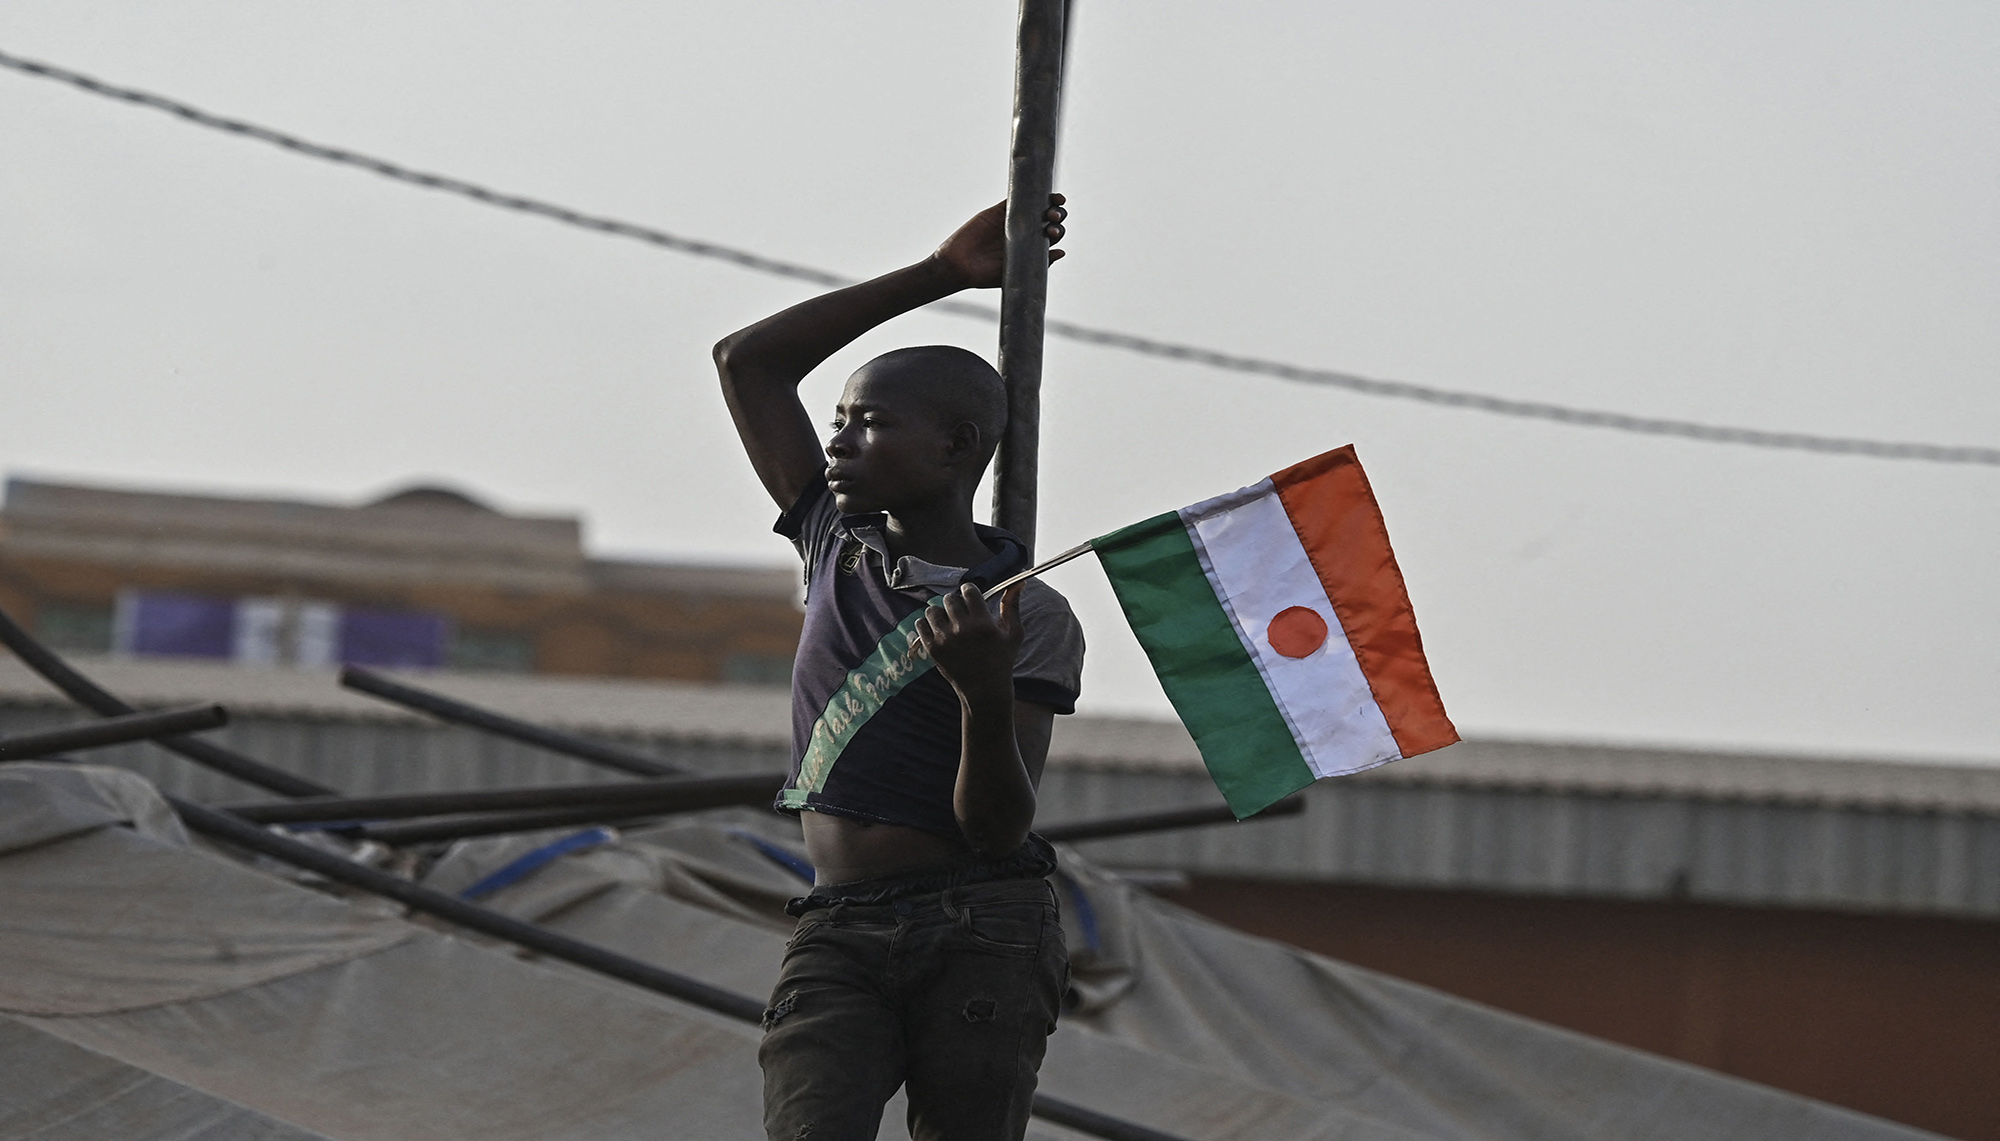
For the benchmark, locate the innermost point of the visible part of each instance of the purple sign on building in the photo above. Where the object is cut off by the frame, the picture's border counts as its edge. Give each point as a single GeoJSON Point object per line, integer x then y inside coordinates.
{"type": "Point", "coordinates": [177, 625]}
{"type": "Point", "coordinates": [277, 631]}
{"type": "Point", "coordinates": [393, 638]}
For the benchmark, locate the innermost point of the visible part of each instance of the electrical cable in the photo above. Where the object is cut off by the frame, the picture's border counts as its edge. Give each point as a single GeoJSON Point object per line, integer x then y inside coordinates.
{"type": "Point", "coordinates": [1104, 338]}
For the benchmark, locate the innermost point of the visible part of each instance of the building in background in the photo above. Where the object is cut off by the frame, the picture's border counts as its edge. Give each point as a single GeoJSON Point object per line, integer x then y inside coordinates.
{"type": "Point", "coordinates": [426, 577]}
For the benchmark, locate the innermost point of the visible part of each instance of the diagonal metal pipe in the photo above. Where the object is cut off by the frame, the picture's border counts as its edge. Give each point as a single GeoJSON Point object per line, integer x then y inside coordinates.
{"type": "Point", "coordinates": [465, 825]}
{"type": "Point", "coordinates": [465, 713]}
{"type": "Point", "coordinates": [112, 731]}
{"type": "Point", "coordinates": [420, 831]}
{"type": "Point", "coordinates": [243, 834]}
{"type": "Point", "coordinates": [684, 794]}
{"type": "Point", "coordinates": [100, 701]}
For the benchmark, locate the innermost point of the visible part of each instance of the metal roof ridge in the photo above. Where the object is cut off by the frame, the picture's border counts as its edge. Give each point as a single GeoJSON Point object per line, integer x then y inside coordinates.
{"type": "Point", "coordinates": [760, 716]}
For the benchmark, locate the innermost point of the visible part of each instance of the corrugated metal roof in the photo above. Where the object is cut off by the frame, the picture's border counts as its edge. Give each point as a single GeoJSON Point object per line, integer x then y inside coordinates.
{"type": "Point", "coordinates": [760, 716]}
{"type": "Point", "coordinates": [1595, 768]}
{"type": "Point", "coordinates": [1507, 816]}
{"type": "Point", "coordinates": [1568, 843]}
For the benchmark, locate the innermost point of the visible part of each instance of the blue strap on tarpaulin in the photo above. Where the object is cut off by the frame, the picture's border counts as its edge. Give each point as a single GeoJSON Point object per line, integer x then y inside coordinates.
{"type": "Point", "coordinates": [524, 866]}
{"type": "Point", "coordinates": [1086, 915]}
{"type": "Point", "coordinates": [779, 854]}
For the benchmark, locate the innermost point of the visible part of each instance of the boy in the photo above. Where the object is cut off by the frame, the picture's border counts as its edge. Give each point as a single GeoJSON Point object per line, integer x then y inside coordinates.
{"type": "Point", "coordinates": [928, 953]}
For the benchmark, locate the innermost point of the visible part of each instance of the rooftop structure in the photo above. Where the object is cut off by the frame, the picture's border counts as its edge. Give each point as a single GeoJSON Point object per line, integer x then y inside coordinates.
{"type": "Point", "coordinates": [425, 577]}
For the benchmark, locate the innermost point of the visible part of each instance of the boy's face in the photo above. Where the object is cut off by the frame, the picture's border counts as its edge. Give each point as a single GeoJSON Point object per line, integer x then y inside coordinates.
{"type": "Point", "coordinates": [888, 451]}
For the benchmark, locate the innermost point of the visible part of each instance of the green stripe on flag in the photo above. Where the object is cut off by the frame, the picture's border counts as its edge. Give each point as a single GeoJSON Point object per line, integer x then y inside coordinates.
{"type": "Point", "coordinates": [1207, 674]}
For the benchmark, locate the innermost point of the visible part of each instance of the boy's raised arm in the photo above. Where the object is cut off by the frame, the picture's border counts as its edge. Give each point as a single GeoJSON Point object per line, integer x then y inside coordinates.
{"type": "Point", "coordinates": [761, 366]}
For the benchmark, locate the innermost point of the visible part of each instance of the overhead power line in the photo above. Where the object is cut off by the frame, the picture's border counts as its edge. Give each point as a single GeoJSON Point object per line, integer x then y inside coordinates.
{"type": "Point", "coordinates": [1106, 338]}
{"type": "Point", "coordinates": [421, 178]}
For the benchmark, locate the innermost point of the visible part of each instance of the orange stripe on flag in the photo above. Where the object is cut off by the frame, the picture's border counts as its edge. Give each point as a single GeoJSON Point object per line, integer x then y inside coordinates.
{"type": "Point", "coordinates": [1334, 512]}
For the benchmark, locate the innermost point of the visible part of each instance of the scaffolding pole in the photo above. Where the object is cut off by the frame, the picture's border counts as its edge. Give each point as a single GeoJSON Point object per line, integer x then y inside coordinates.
{"type": "Point", "coordinates": [1024, 288]}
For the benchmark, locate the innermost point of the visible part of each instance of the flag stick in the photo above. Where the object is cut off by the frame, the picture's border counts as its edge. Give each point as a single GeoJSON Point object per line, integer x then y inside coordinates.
{"type": "Point", "coordinates": [1025, 284]}
{"type": "Point", "coordinates": [1081, 548]}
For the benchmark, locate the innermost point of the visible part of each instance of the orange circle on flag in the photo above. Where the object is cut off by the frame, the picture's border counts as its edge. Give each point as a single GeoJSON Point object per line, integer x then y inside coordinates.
{"type": "Point", "coordinates": [1296, 631]}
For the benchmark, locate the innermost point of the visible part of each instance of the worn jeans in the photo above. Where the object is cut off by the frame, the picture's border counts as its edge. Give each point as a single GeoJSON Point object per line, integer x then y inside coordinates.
{"type": "Point", "coordinates": [950, 993]}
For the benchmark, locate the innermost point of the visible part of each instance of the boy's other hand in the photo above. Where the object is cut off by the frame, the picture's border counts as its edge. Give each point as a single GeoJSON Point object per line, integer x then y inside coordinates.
{"type": "Point", "coordinates": [977, 252]}
{"type": "Point", "coordinates": [972, 647]}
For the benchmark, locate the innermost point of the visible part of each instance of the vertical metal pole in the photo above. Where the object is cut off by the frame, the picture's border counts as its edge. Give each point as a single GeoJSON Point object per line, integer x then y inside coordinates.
{"type": "Point", "coordinates": [1024, 288]}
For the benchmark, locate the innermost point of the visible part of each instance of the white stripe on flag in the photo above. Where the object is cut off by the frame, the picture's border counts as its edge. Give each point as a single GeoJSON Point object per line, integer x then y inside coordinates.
{"type": "Point", "coordinates": [1255, 562]}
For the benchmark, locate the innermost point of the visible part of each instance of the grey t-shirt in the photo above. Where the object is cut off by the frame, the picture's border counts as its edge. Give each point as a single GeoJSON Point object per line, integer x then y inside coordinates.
{"type": "Point", "coordinates": [896, 740]}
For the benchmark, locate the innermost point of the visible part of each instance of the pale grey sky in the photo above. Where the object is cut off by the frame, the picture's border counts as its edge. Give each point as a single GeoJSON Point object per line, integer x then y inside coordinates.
{"type": "Point", "coordinates": [1779, 215]}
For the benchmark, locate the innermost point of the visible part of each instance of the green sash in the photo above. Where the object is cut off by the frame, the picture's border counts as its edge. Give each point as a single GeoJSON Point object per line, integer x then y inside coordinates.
{"type": "Point", "coordinates": [895, 663]}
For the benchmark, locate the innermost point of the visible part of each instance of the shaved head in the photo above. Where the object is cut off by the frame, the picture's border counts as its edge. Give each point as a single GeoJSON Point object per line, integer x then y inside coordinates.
{"type": "Point", "coordinates": [956, 385]}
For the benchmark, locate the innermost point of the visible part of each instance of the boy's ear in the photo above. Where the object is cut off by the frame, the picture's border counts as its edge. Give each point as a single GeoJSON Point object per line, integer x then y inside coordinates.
{"type": "Point", "coordinates": [962, 442]}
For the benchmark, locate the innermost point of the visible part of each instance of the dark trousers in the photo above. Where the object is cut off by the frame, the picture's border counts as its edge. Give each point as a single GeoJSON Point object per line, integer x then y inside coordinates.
{"type": "Point", "coordinates": [951, 993]}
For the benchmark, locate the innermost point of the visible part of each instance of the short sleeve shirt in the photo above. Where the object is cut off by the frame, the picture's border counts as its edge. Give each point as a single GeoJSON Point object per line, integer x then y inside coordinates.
{"type": "Point", "coordinates": [901, 765]}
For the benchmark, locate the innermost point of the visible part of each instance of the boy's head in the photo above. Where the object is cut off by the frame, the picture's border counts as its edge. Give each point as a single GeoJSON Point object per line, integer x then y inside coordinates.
{"type": "Point", "coordinates": [914, 429]}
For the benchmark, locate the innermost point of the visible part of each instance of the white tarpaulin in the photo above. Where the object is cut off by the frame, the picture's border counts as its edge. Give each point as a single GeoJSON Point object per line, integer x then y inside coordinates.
{"type": "Point", "coordinates": [326, 1016]}
{"type": "Point", "coordinates": [53, 1090]}
{"type": "Point", "coordinates": [1184, 1024]}
{"type": "Point", "coordinates": [123, 938]}
{"type": "Point", "coordinates": [251, 1006]}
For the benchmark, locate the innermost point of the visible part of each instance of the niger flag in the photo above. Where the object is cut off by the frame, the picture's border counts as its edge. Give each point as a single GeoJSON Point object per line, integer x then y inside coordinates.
{"type": "Point", "coordinates": [1278, 623]}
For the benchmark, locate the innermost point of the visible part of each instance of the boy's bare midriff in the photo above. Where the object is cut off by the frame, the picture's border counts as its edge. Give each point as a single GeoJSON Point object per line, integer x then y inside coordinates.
{"type": "Point", "coordinates": [843, 849]}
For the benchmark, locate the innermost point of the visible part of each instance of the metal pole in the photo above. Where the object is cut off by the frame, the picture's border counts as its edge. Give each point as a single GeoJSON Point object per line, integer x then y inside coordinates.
{"type": "Point", "coordinates": [469, 824]}
{"type": "Point", "coordinates": [463, 713]}
{"type": "Point", "coordinates": [1025, 285]}
{"type": "Point", "coordinates": [243, 834]}
{"type": "Point", "coordinates": [634, 796]}
{"type": "Point", "coordinates": [93, 697]}
{"type": "Point", "coordinates": [111, 731]}
{"type": "Point", "coordinates": [1070, 831]}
